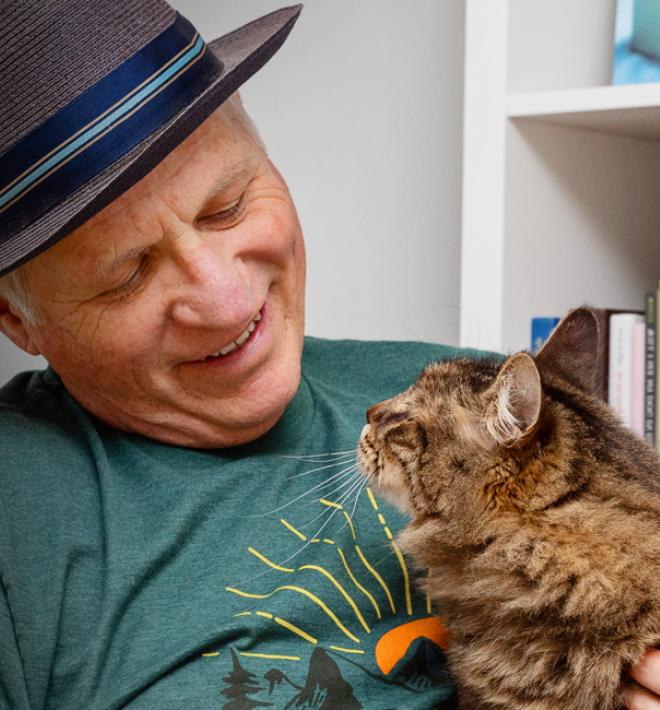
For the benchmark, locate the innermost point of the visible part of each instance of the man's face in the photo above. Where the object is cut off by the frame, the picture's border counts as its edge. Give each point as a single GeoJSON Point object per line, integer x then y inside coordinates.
{"type": "Point", "coordinates": [136, 302]}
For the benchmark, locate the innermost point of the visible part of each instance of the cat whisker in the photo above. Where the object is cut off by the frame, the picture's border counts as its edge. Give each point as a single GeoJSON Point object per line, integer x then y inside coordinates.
{"type": "Point", "coordinates": [326, 461]}
{"type": "Point", "coordinates": [301, 549]}
{"type": "Point", "coordinates": [320, 457]}
{"type": "Point", "coordinates": [349, 477]}
{"type": "Point", "coordinates": [352, 479]}
{"type": "Point", "coordinates": [342, 498]}
{"type": "Point", "coordinates": [382, 559]}
{"type": "Point", "coordinates": [360, 488]}
{"type": "Point", "coordinates": [334, 511]}
{"type": "Point", "coordinates": [357, 497]}
{"type": "Point", "coordinates": [319, 486]}
{"type": "Point", "coordinates": [321, 468]}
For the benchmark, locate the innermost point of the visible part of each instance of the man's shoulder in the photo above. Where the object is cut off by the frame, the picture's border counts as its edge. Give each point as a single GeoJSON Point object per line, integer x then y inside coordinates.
{"type": "Point", "coordinates": [388, 364]}
{"type": "Point", "coordinates": [29, 396]}
{"type": "Point", "coordinates": [36, 427]}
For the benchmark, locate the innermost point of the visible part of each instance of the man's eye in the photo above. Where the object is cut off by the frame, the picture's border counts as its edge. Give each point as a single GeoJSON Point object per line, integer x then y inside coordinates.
{"type": "Point", "coordinates": [131, 283]}
{"type": "Point", "coordinates": [226, 214]}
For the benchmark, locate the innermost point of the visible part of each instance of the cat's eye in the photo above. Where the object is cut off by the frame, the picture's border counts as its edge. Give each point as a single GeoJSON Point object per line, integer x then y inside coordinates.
{"type": "Point", "coordinates": [393, 418]}
{"type": "Point", "coordinates": [407, 434]}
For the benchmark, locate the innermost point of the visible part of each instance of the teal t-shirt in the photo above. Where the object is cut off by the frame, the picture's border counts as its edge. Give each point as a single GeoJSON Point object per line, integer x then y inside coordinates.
{"type": "Point", "coordinates": [143, 575]}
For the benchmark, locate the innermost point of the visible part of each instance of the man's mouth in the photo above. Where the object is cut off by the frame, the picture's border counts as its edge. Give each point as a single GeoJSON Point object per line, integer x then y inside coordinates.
{"type": "Point", "coordinates": [237, 342]}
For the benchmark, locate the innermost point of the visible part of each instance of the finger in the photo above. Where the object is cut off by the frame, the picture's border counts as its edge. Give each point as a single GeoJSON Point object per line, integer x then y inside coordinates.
{"type": "Point", "coordinates": [647, 672]}
{"type": "Point", "coordinates": [643, 700]}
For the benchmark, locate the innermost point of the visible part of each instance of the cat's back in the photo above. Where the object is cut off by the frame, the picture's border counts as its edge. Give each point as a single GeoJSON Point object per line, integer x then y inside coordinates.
{"type": "Point", "coordinates": [591, 554]}
{"type": "Point", "coordinates": [607, 460]}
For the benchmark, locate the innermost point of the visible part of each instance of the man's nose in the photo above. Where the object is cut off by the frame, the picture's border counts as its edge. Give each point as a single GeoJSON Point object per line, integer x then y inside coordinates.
{"type": "Point", "coordinates": [213, 287]}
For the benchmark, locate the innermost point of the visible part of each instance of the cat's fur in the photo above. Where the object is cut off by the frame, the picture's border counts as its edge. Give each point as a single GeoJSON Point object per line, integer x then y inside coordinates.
{"type": "Point", "coordinates": [537, 516]}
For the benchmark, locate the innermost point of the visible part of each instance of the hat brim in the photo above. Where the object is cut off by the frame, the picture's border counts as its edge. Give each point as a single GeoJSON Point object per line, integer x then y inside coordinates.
{"type": "Point", "coordinates": [242, 53]}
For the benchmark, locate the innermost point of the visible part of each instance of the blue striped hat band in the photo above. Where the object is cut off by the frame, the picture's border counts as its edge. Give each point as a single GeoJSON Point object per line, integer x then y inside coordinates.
{"type": "Point", "coordinates": [103, 124]}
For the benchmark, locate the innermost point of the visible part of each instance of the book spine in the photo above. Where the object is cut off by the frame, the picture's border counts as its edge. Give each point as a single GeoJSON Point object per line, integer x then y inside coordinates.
{"type": "Point", "coordinates": [649, 367]}
{"type": "Point", "coordinates": [637, 378]}
{"type": "Point", "coordinates": [657, 368]}
{"type": "Point", "coordinates": [620, 379]}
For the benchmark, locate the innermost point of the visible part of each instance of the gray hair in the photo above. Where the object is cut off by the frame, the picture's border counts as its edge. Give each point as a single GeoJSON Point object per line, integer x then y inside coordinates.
{"type": "Point", "coordinates": [14, 288]}
{"type": "Point", "coordinates": [234, 111]}
{"type": "Point", "coordinates": [14, 285]}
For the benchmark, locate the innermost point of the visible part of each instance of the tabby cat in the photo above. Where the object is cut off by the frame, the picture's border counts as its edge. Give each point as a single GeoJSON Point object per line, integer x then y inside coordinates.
{"type": "Point", "coordinates": [536, 515]}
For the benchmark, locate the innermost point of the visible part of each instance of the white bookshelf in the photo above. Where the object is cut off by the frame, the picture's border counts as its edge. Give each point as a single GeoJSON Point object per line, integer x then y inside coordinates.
{"type": "Point", "coordinates": [632, 111]}
{"type": "Point", "coordinates": [561, 172]}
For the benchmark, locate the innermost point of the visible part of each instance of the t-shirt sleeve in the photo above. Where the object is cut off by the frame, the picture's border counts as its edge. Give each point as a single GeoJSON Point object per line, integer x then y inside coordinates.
{"type": "Point", "coordinates": [13, 687]}
{"type": "Point", "coordinates": [32, 447]}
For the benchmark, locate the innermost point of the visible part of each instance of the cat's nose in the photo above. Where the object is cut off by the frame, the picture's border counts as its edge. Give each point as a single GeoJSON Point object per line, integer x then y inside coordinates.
{"type": "Point", "coordinates": [375, 412]}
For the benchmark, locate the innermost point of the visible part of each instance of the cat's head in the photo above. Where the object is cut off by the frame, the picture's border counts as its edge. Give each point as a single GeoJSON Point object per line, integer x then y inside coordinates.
{"type": "Point", "coordinates": [459, 437]}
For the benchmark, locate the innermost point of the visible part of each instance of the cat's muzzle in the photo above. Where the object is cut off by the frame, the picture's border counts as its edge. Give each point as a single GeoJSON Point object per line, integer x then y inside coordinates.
{"type": "Point", "coordinates": [366, 454]}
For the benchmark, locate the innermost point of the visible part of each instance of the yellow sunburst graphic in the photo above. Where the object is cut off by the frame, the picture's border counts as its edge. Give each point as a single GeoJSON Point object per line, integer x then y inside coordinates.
{"type": "Point", "coordinates": [362, 601]}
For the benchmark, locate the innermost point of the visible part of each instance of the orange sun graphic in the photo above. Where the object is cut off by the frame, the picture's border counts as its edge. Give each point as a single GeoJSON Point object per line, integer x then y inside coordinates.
{"type": "Point", "coordinates": [392, 646]}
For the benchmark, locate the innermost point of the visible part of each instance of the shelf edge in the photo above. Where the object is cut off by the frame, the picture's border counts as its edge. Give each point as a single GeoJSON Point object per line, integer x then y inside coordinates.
{"type": "Point", "coordinates": [600, 98]}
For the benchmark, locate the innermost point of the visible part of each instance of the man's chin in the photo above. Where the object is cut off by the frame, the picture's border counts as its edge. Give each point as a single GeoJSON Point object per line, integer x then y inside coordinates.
{"type": "Point", "coordinates": [205, 434]}
{"type": "Point", "coordinates": [192, 432]}
{"type": "Point", "coordinates": [227, 422]}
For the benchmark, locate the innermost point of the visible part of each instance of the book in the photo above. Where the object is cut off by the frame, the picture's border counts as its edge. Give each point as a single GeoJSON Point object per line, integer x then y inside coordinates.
{"type": "Point", "coordinates": [637, 379]}
{"type": "Point", "coordinates": [601, 356]}
{"type": "Point", "coordinates": [541, 329]}
{"type": "Point", "coordinates": [622, 326]}
{"type": "Point", "coordinates": [636, 42]}
{"type": "Point", "coordinates": [649, 367]}
{"type": "Point", "coordinates": [657, 370]}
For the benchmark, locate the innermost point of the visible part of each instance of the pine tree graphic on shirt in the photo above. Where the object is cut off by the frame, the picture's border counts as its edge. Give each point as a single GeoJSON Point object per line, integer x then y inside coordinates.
{"type": "Point", "coordinates": [241, 684]}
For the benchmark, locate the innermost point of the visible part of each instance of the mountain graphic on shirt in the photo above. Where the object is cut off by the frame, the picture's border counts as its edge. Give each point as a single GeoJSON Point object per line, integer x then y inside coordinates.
{"type": "Point", "coordinates": [325, 688]}
{"type": "Point", "coordinates": [424, 665]}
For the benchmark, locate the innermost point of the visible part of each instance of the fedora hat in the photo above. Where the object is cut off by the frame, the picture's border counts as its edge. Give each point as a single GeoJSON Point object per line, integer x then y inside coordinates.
{"type": "Point", "coordinates": [95, 93]}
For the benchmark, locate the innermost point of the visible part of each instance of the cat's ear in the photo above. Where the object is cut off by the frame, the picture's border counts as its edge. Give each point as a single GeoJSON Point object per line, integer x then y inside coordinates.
{"type": "Point", "coordinates": [572, 351]}
{"type": "Point", "coordinates": [514, 401]}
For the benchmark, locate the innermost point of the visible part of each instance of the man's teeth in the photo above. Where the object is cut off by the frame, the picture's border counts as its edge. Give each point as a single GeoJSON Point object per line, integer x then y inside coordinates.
{"type": "Point", "coordinates": [235, 344]}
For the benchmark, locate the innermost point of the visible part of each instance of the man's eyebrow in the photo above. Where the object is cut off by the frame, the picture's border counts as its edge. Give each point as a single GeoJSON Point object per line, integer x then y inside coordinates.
{"type": "Point", "coordinates": [229, 176]}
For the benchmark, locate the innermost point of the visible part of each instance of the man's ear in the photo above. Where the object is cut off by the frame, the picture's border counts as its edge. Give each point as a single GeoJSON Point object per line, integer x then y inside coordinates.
{"type": "Point", "coordinates": [514, 401]}
{"type": "Point", "coordinates": [572, 349]}
{"type": "Point", "coordinates": [14, 326]}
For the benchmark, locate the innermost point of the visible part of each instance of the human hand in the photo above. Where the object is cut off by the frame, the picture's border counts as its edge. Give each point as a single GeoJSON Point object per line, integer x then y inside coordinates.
{"type": "Point", "coordinates": [647, 674]}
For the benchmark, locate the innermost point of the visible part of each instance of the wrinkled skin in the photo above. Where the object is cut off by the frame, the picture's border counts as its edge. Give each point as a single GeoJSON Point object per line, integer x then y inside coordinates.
{"type": "Point", "coordinates": [127, 340]}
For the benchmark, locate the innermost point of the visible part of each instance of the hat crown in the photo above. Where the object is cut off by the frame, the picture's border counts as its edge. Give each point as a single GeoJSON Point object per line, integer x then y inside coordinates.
{"type": "Point", "coordinates": [94, 94]}
{"type": "Point", "coordinates": [52, 51]}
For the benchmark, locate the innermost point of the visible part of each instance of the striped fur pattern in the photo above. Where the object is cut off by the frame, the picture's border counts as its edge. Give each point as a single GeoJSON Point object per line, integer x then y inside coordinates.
{"type": "Point", "coordinates": [535, 515]}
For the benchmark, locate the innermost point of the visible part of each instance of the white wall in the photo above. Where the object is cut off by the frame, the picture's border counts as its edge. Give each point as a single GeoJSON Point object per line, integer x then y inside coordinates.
{"type": "Point", "coordinates": [362, 112]}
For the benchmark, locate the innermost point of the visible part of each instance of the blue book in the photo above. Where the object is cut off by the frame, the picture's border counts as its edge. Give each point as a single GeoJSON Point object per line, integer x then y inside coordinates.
{"type": "Point", "coordinates": [636, 42]}
{"type": "Point", "coordinates": [541, 329]}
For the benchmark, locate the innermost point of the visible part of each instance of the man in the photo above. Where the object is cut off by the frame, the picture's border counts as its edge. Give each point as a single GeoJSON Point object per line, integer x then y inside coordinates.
{"type": "Point", "coordinates": [180, 523]}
